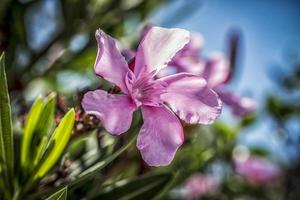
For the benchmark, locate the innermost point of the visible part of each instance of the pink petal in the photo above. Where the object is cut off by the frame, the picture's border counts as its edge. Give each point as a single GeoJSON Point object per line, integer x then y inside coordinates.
{"type": "Point", "coordinates": [193, 48]}
{"type": "Point", "coordinates": [217, 70]}
{"type": "Point", "coordinates": [241, 106]}
{"type": "Point", "coordinates": [114, 111]}
{"type": "Point", "coordinates": [145, 30]}
{"type": "Point", "coordinates": [158, 47]}
{"type": "Point", "coordinates": [188, 64]}
{"type": "Point", "coordinates": [160, 136]}
{"type": "Point", "coordinates": [191, 99]}
{"type": "Point", "coordinates": [128, 54]}
{"type": "Point", "coordinates": [110, 64]}
{"type": "Point", "coordinates": [199, 185]}
{"type": "Point", "coordinates": [188, 59]}
{"type": "Point", "coordinates": [258, 170]}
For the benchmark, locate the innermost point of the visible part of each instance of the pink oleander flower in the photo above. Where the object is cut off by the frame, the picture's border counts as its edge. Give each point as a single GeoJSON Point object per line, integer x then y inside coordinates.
{"type": "Point", "coordinates": [215, 70]}
{"type": "Point", "coordinates": [187, 95]}
{"type": "Point", "coordinates": [198, 186]}
{"type": "Point", "coordinates": [240, 106]}
{"type": "Point", "coordinates": [257, 170]}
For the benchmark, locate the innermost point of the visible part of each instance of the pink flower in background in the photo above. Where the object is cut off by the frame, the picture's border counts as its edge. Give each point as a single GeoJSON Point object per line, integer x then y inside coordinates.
{"type": "Point", "coordinates": [187, 95]}
{"type": "Point", "coordinates": [257, 170]}
{"type": "Point", "coordinates": [188, 59]}
{"type": "Point", "coordinates": [215, 70]}
{"type": "Point", "coordinates": [240, 106]}
{"type": "Point", "coordinates": [199, 186]}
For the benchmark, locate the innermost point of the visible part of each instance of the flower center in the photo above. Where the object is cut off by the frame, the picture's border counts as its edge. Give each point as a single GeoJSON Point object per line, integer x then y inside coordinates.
{"type": "Point", "coordinates": [145, 90]}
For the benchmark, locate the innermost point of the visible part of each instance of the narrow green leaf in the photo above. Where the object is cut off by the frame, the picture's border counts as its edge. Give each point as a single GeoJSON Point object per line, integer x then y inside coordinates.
{"type": "Point", "coordinates": [90, 172]}
{"type": "Point", "coordinates": [59, 195]}
{"type": "Point", "coordinates": [45, 122]}
{"type": "Point", "coordinates": [30, 126]}
{"type": "Point", "coordinates": [43, 128]}
{"type": "Point", "coordinates": [139, 188]}
{"type": "Point", "coordinates": [6, 134]}
{"type": "Point", "coordinates": [38, 125]}
{"type": "Point", "coordinates": [59, 141]}
{"type": "Point", "coordinates": [40, 150]}
{"type": "Point", "coordinates": [167, 187]}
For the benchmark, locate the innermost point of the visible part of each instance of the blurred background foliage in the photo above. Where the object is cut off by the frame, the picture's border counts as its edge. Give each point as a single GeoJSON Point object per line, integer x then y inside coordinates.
{"type": "Point", "coordinates": [49, 46]}
{"type": "Point", "coordinates": [49, 43]}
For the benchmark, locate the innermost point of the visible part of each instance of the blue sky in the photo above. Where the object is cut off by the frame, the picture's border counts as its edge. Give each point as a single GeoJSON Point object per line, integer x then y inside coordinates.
{"type": "Point", "coordinates": [269, 29]}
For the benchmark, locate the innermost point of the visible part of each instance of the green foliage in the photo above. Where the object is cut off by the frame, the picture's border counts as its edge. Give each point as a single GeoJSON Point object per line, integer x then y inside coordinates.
{"type": "Point", "coordinates": [59, 195]}
{"type": "Point", "coordinates": [35, 161]}
{"type": "Point", "coordinates": [56, 144]}
{"type": "Point", "coordinates": [45, 122]}
{"type": "Point", "coordinates": [41, 149]}
{"type": "Point", "coordinates": [89, 174]}
{"type": "Point", "coordinates": [93, 170]}
{"type": "Point", "coordinates": [31, 123]}
{"type": "Point", "coordinates": [281, 109]}
{"type": "Point", "coordinates": [6, 134]}
{"type": "Point", "coordinates": [248, 120]}
{"type": "Point", "coordinates": [145, 187]}
{"type": "Point", "coordinates": [72, 18]}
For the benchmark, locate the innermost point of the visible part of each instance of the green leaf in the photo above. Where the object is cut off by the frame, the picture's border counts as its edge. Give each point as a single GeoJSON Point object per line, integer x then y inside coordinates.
{"type": "Point", "coordinates": [40, 151]}
{"type": "Point", "coordinates": [3, 8]}
{"type": "Point", "coordinates": [225, 131]}
{"type": "Point", "coordinates": [58, 142]}
{"type": "Point", "coordinates": [43, 128]}
{"type": "Point", "coordinates": [38, 125]}
{"type": "Point", "coordinates": [59, 195]}
{"type": "Point", "coordinates": [92, 171]}
{"type": "Point", "coordinates": [45, 122]}
{"type": "Point", "coordinates": [30, 125]}
{"type": "Point", "coordinates": [139, 188]}
{"type": "Point", "coordinates": [6, 134]}
{"type": "Point", "coordinates": [248, 120]}
{"type": "Point", "coordinates": [167, 187]}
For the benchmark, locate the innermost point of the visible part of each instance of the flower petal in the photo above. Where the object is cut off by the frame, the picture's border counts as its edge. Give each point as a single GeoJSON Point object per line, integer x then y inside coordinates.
{"type": "Point", "coordinates": [199, 185]}
{"type": "Point", "coordinates": [217, 70]}
{"type": "Point", "coordinates": [187, 59]}
{"type": "Point", "coordinates": [160, 136]}
{"type": "Point", "coordinates": [193, 48]}
{"type": "Point", "coordinates": [114, 111]}
{"type": "Point", "coordinates": [241, 106]}
{"type": "Point", "coordinates": [257, 170]}
{"type": "Point", "coordinates": [110, 64]}
{"type": "Point", "coordinates": [191, 99]}
{"type": "Point", "coordinates": [188, 64]}
{"type": "Point", "coordinates": [158, 47]}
